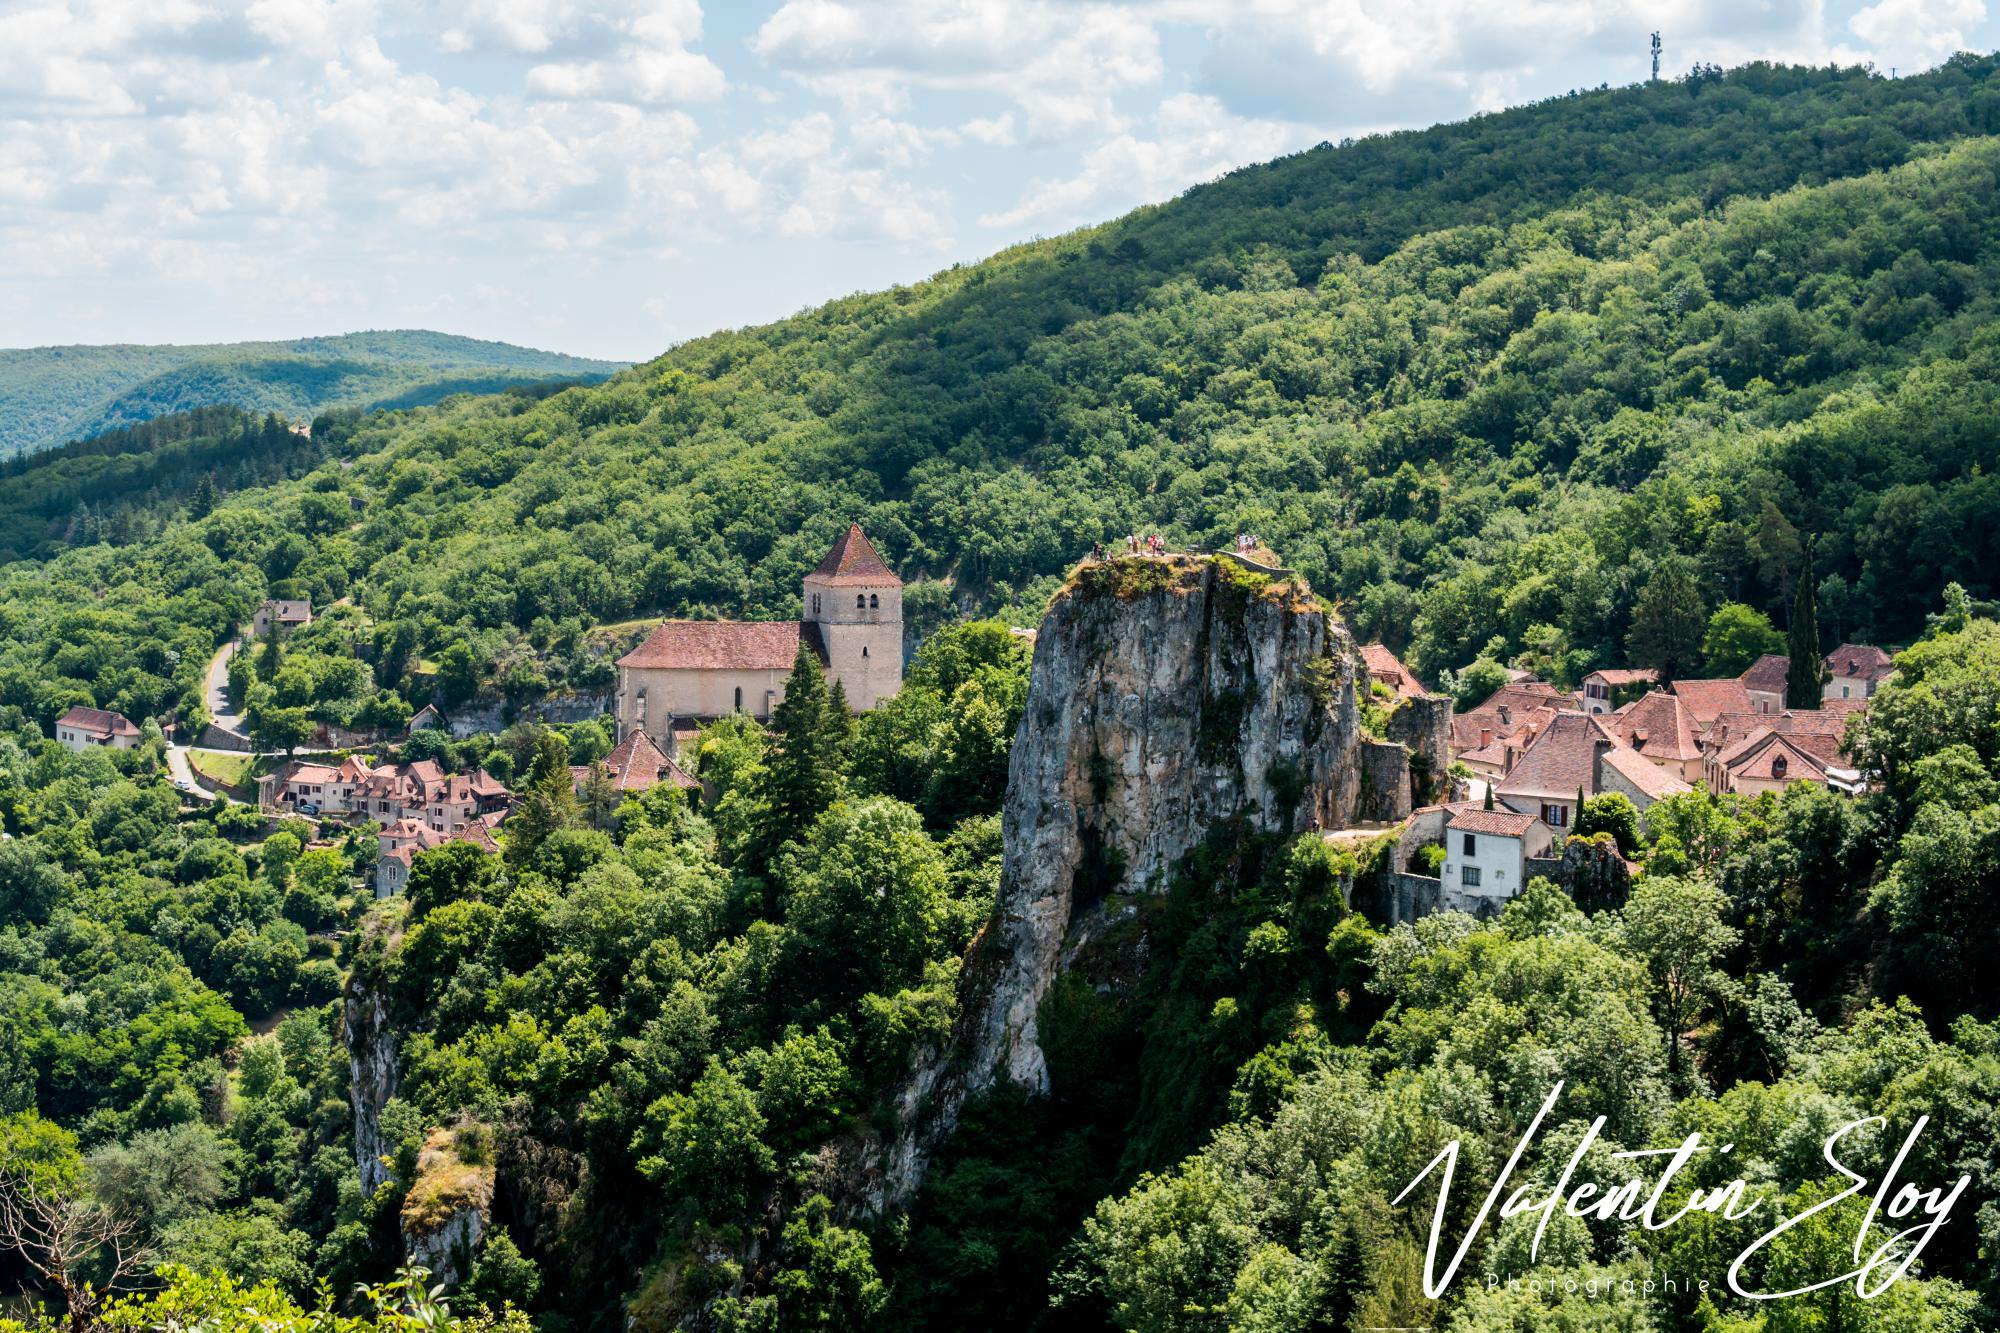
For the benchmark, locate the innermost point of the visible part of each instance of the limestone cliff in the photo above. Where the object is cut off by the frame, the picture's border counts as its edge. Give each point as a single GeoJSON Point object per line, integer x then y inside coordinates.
{"type": "Point", "coordinates": [372, 1074]}
{"type": "Point", "coordinates": [1169, 699]}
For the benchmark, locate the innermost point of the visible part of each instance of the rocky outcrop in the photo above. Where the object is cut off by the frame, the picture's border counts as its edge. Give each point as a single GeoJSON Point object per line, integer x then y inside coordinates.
{"type": "Point", "coordinates": [1169, 700]}
{"type": "Point", "coordinates": [445, 1212]}
{"type": "Point", "coordinates": [372, 1074]}
{"type": "Point", "coordinates": [1422, 725]}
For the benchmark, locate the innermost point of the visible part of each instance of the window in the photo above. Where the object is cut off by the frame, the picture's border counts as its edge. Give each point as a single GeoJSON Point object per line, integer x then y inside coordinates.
{"type": "Point", "coordinates": [1780, 766]}
{"type": "Point", "coordinates": [739, 698]}
{"type": "Point", "coordinates": [864, 650]}
{"type": "Point", "coordinates": [1843, 691]}
{"type": "Point", "coordinates": [1469, 876]}
{"type": "Point", "coordinates": [1555, 816]}
{"type": "Point", "coordinates": [1471, 843]}
{"type": "Point", "coordinates": [815, 603]}
{"type": "Point", "coordinates": [874, 602]}
{"type": "Point", "coordinates": [860, 602]}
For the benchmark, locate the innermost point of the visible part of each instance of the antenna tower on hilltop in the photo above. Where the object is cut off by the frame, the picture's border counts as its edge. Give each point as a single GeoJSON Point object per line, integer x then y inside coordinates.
{"type": "Point", "coordinates": [1656, 57]}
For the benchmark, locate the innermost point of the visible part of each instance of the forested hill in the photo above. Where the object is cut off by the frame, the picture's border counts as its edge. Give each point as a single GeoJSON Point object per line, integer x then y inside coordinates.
{"type": "Point", "coordinates": [49, 395]}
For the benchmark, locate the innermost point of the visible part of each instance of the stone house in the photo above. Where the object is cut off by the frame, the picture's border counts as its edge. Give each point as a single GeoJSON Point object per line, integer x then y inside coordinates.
{"type": "Point", "coordinates": [1486, 854]}
{"type": "Point", "coordinates": [1601, 689]}
{"type": "Point", "coordinates": [1856, 671]}
{"type": "Point", "coordinates": [1764, 682]}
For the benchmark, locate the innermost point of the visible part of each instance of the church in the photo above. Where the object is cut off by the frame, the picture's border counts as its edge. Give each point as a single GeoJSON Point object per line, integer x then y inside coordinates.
{"type": "Point", "coordinates": [688, 672]}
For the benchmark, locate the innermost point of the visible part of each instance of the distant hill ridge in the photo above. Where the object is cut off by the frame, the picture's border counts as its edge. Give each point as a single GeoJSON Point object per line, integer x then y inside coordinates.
{"type": "Point", "coordinates": [51, 395]}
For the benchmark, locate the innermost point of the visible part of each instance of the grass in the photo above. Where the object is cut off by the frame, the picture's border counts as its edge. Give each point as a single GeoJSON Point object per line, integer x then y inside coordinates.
{"type": "Point", "coordinates": [224, 766]}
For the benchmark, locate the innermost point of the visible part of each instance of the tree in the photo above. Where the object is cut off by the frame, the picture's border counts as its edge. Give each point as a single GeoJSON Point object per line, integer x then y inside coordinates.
{"type": "Point", "coordinates": [805, 765]}
{"type": "Point", "coordinates": [1667, 621]}
{"type": "Point", "coordinates": [1611, 812]}
{"type": "Point", "coordinates": [1806, 673]}
{"type": "Point", "coordinates": [1674, 925]}
{"type": "Point", "coordinates": [549, 802]}
{"type": "Point", "coordinates": [865, 901]}
{"type": "Point", "coordinates": [1737, 636]}
{"type": "Point", "coordinates": [48, 1218]}
{"type": "Point", "coordinates": [202, 503]}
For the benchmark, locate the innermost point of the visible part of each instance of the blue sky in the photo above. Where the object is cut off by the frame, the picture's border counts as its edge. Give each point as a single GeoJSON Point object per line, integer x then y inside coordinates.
{"type": "Point", "coordinates": [610, 177]}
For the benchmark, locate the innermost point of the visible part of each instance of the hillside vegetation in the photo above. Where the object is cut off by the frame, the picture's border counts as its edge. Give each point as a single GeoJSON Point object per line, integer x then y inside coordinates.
{"type": "Point", "coordinates": [1496, 387]}
{"type": "Point", "coordinates": [50, 395]}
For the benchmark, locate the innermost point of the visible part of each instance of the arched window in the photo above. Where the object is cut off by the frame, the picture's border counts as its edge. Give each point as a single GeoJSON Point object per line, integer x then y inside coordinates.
{"type": "Point", "coordinates": [739, 698]}
{"type": "Point", "coordinates": [874, 602]}
{"type": "Point", "coordinates": [1779, 766]}
{"type": "Point", "coordinates": [860, 601]}
{"type": "Point", "coordinates": [864, 650]}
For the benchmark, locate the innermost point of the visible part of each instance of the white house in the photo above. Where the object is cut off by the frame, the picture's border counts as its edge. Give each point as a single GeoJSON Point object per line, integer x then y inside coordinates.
{"type": "Point", "coordinates": [1486, 854]}
{"type": "Point", "coordinates": [1856, 671]}
{"type": "Point", "coordinates": [81, 728]}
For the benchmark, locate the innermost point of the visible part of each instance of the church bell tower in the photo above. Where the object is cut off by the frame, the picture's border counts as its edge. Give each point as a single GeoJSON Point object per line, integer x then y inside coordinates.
{"type": "Point", "coordinates": [854, 603]}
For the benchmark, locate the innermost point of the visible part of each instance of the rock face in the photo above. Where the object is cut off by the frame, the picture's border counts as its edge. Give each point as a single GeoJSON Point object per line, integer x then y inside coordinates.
{"type": "Point", "coordinates": [372, 1075]}
{"type": "Point", "coordinates": [1168, 699]}
{"type": "Point", "coordinates": [445, 1212]}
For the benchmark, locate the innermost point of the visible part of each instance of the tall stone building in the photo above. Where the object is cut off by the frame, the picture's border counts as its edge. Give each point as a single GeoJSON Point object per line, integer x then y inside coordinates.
{"type": "Point", "coordinates": [690, 671]}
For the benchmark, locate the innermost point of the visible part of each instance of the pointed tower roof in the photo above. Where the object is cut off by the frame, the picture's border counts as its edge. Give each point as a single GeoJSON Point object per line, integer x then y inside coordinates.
{"type": "Point", "coordinates": [853, 560]}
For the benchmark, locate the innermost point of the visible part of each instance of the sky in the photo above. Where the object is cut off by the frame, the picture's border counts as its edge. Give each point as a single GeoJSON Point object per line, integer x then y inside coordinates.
{"type": "Point", "coordinates": [611, 177]}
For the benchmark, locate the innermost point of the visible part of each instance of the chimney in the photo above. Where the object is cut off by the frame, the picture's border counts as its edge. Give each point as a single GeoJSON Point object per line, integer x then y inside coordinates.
{"type": "Point", "coordinates": [1485, 737]}
{"type": "Point", "coordinates": [1598, 749]}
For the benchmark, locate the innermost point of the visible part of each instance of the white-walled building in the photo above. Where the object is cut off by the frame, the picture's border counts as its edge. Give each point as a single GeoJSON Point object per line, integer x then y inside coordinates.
{"type": "Point", "coordinates": [81, 728]}
{"type": "Point", "coordinates": [1486, 853]}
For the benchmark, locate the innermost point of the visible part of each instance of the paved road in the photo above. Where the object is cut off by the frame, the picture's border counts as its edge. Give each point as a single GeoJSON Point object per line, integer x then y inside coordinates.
{"type": "Point", "coordinates": [183, 774]}
{"type": "Point", "coordinates": [215, 688]}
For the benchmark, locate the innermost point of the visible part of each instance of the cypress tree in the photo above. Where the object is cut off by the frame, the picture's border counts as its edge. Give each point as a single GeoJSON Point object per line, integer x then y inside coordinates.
{"type": "Point", "coordinates": [1802, 679]}
{"type": "Point", "coordinates": [807, 759]}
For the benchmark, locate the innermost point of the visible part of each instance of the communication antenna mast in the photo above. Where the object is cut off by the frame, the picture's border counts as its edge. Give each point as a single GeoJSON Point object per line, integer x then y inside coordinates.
{"type": "Point", "coordinates": [1656, 57]}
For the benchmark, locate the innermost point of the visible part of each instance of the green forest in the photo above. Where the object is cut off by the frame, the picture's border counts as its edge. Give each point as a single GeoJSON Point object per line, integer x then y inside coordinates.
{"type": "Point", "coordinates": [53, 395]}
{"type": "Point", "coordinates": [1497, 389]}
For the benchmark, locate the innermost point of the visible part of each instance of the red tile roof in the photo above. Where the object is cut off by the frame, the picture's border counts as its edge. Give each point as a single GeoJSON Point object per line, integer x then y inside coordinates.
{"type": "Point", "coordinates": [1386, 667]}
{"type": "Point", "coordinates": [1657, 726]}
{"type": "Point", "coordinates": [1654, 782]}
{"type": "Point", "coordinates": [853, 560]}
{"type": "Point", "coordinates": [1560, 762]}
{"type": "Point", "coordinates": [1771, 756]}
{"type": "Point", "coordinates": [638, 764]}
{"type": "Point", "coordinates": [1767, 674]}
{"type": "Point", "coordinates": [718, 645]}
{"type": "Point", "coordinates": [1616, 676]}
{"type": "Point", "coordinates": [1862, 661]}
{"type": "Point", "coordinates": [1500, 823]}
{"type": "Point", "coordinates": [1707, 700]}
{"type": "Point", "coordinates": [98, 721]}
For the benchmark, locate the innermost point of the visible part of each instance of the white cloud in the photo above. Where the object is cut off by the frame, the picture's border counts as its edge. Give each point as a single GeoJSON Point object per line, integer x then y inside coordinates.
{"type": "Point", "coordinates": [1191, 138]}
{"type": "Point", "coordinates": [1061, 63]}
{"type": "Point", "coordinates": [1913, 34]}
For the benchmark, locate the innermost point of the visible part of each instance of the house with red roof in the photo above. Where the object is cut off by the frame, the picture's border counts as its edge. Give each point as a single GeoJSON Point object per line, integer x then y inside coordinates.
{"type": "Point", "coordinates": [1579, 756]}
{"type": "Point", "coordinates": [1603, 691]}
{"type": "Point", "coordinates": [422, 792]}
{"type": "Point", "coordinates": [1856, 671]}
{"type": "Point", "coordinates": [1659, 727]}
{"type": "Point", "coordinates": [1706, 700]}
{"type": "Point", "coordinates": [398, 845]}
{"type": "Point", "coordinates": [636, 765]}
{"type": "Point", "coordinates": [688, 671]}
{"type": "Point", "coordinates": [1486, 855]}
{"type": "Point", "coordinates": [1386, 669]}
{"type": "Point", "coordinates": [82, 728]}
{"type": "Point", "coordinates": [1764, 681]}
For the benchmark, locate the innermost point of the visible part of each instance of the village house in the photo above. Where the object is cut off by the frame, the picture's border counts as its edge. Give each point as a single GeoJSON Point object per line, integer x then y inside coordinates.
{"type": "Point", "coordinates": [689, 671]}
{"type": "Point", "coordinates": [1486, 853]}
{"type": "Point", "coordinates": [81, 728]}
{"type": "Point", "coordinates": [428, 718]}
{"type": "Point", "coordinates": [1764, 681]}
{"type": "Point", "coordinates": [1659, 727]}
{"type": "Point", "coordinates": [421, 792]}
{"type": "Point", "coordinates": [1489, 738]}
{"type": "Point", "coordinates": [1601, 690]}
{"type": "Point", "coordinates": [1748, 754]}
{"type": "Point", "coordinates": [1578, 756]}
{"type": "Point", "coordinates": [1855, 671]}
{"type": "Point", "coordinates": [1706, 700]}
{"type": "Point", "coordinates": [283, 615]}
{"type": "Point", "coordinates": [398, 845]}
{"type": "Point", "coordinates": [636, 765]}
{"type": "Point", "coordinates": [1385, 668]}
